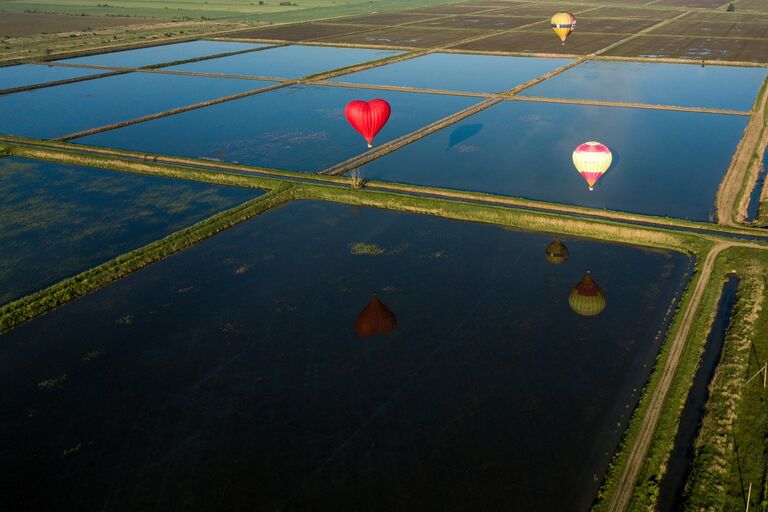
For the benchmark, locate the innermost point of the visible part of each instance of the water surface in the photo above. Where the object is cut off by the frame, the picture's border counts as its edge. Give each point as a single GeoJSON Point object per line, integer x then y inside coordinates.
{"type": "Point", "coordinates": [301, 128]}
{"type": "Point", "coordinates": [69, 108]}
{"type": "Point", "coordinates": [161, 54]}
{"type": "Point", "coordinates": [229, 376]}
{"type": "Point", "coordinates": [33, 74]}
{"type": "Point", "coordinates": [685, 85]}
{"type": "Point", "coordinates": [664, 163]}
{"type": "Point", "coordinates": [286, 61]}
{"type": "Point", "coordinates": [468, 73]}
{"type": "Point", "coordinates": [57, 220]}
{"type": "Point", "coordinates": [678, 467]}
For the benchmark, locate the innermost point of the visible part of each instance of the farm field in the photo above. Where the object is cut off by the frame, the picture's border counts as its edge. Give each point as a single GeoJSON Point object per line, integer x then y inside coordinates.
{"type": "Point", "coordinates": [386, 255]}
{"type": "Point", "coordinates": [279, 323]}
{"type": "Point", "coordinates": [84, 217]}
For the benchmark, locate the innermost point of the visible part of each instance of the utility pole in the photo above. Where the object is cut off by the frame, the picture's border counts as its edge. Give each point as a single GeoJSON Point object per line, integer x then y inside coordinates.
{"type": "Point", "coordinates": [762, 371]}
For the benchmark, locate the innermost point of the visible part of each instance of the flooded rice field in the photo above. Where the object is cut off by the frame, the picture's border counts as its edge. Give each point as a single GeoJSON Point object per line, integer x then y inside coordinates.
{"type": "Point", "coordinates": [286, 61]}
{"type": "Point", "coordinates": [58, 220]}
{"type": "Point", "coordinates": [69, 108]}
{"type": "Point", "coordinates": [456, 72]}
{"type": "Point", "coordinates": [685, 85]}
{"type": "Point", "coordinates": [257, 370]}
{"type": "Point", "coordinates": [155, 55]}
{"type": "Point", "coordinates": [299, 128]}
{"type": "Point", "coordinates": [524, 149]}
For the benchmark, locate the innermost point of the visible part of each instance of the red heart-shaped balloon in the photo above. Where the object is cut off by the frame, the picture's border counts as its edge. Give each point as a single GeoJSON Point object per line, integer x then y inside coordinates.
{"type": "Point", "coordinates": [368, 117]}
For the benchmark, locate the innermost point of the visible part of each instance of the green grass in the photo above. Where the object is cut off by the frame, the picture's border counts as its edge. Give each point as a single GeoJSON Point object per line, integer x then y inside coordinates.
{"type": "Point", "coordinates": [86, 282]}
{"type": "Point", "coordinates": [663, 431]}
{"type": "Point", "coordinates": [732, 447]}
{"type": "Point", "coordinates": [714, 485]}
{"type": "Point", "coordinates": [176, 167]}
{"type": "Point", "coordinates": [651, 474]}
{"type": "Point", "coordinates": [220, 9]}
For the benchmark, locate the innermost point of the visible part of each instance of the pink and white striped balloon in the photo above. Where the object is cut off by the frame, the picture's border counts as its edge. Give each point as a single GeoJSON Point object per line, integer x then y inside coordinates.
{"type": "Point", "coordinates": [592, 159]}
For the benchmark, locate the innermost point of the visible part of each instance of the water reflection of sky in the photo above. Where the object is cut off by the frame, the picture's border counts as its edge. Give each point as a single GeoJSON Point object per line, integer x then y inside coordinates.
{"type": "Point", "coordinates": [69, 108]}
{"type": "Point", "coordinates": [462, 406]}
{"type": "Point", "coordinates": [469, 73]}
{"type": "Point", "coordinates": [299, 128]}
{"type": "Point", "coordinates": [665, 163]}
{"type": "Point", "coordinates": [688, 85]}
{"type": "Point", "coordinates": [287, 61]}
{"type": "Point", "coordinates": [58, 220]}
{"type": "Point", "coordinates": [162, 53]}
{"type": "Point", "coordinates": [32, 74]}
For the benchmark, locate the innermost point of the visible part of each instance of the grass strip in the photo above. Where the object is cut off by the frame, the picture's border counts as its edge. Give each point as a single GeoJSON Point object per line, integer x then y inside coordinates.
{"type": "Point", "coordinates": [731, 451]}
{"type": "Point", "coordinates": [98, 277]}
{"type": "Point", "coordinates": [616, 467]}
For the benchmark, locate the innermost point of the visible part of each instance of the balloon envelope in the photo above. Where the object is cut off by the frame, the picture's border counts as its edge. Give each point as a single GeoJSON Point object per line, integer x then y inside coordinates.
{"type": "Point", "coordinates": [587, 298]}
{"type": "Point", "coordinates": [368, 117]}
{"type": "Point", "coordinates": [375, 318]}
{"type": "Point", "coordinates": [592, 159]}
{"type": "Point", "coordinates": [556, 252]}
{"type": "Point", "coordinates": [563, 23]}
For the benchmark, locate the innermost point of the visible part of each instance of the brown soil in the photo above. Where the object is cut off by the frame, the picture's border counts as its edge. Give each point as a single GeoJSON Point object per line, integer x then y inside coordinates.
{"type": "Point", "coordinates": [300, 32]}
{"type": "Point", "coordinates": [539, 10]}
{"type": "Point", "coordinates": [21, 24]}
{"type": "Point", "coordinates": [542, 42]}
{"type": "Point", "coordinates": [385, 19]}
{"type": "Point", "coordinates": [726, 16]}
{"type": "Point", "coordinates": [454, 9]}
{"type": "Point", "coordinates": [633, 12]}
{"type": "Point", "coordinates": [607, 25]}
{"type": "Point", "coordinates": [707, 4]}
{"type": "Point", "coordinates": [713, 28]}
{"type": "Point", "coordinates": [479, 22]}
{"type": "Point", "coordinates": [752, 5]}
{"type": "Point", "coordinates": [729, 208]}
{"type": "Point", "coordinates": [742, 50]}
{"type": "Point", "coordinates": [405, 36]}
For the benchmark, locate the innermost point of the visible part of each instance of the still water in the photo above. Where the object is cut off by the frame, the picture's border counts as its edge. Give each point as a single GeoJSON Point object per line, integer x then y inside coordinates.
{"type": "Point", "coordinates": [664, 163]}
{"type": "Point", "coordinates": [33, 74]}
{"type": "Point", "coordinates": [58, 220]}
{"type": "Point", "coordinates": [457, 72]}
{"type": "Point", "coordinates": [161, 54]}
{"type": "Point", "coordinates": [230, 377]}
{"type": "Point", "coordinates": [299, 128]}
{"type": "Point", "coordinates": [685, 85]}
{"type": "Point", "coordinates": [286, 61]}
{"type": "Point", "coordinates": [66, 109]}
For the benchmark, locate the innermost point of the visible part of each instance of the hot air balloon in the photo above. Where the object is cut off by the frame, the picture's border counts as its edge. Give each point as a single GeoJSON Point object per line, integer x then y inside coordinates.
{"type": "Point", "coordinates": [587, 299]}
{"type": "Point", "coordinates": [556, 252]}
{"type": "Point", "coordinates": [368, 117]}
{"type": "Point", "coordinates": [375, 318]}
{"type": "Point", "coordinates": [592, 159]}
{"type": "Point", "coordinates": [563, 23]}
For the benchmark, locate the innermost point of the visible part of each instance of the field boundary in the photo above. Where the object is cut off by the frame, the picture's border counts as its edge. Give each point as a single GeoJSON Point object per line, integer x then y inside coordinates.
{"type": "Point", "coordinates": [194, 169]}
{"type": "Point", "coordinates": [733, 192]}
{"type": "Point", "coordinates": [36, 304]}
{"type": "Point", "coordinates": [167, 113]}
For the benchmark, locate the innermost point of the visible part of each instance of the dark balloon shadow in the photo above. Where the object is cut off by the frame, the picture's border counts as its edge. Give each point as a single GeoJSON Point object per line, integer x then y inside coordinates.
{"type": "Point", "coordinates": [464, 133]}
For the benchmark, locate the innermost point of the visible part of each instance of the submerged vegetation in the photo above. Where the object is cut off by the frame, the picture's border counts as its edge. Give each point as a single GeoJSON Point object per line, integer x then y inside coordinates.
{"type": "Point", "coordinates": [38, 303]}
{"type": "Point", "coordinates": [360, 248]}
{"type": "Point", "coordinates": [732, 448]}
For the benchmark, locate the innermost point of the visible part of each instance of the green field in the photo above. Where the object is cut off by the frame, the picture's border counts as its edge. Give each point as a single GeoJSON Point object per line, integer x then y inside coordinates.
{"type": "Point", "coordinates": [269, 10]}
